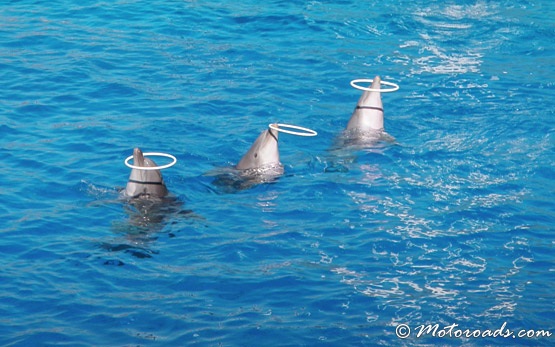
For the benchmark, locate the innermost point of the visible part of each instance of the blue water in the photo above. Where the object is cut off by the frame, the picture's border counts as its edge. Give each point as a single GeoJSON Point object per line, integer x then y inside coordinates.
{"type": "Point", "coordinates": [452, 222]}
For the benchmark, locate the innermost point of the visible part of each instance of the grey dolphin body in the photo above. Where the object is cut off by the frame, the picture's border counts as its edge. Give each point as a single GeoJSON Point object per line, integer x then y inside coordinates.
{"type": "Point", "coordinates": [368, 114]}
{"type": "Point", "coordinates": [263, 154]}
{"type": "Point", "coordinates": [145, 183]}
{"type": "Point", "coordinates": [259, 165]}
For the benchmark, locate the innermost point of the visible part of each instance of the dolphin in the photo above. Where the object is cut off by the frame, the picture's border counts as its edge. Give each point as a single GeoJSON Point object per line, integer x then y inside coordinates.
{"type": "Point", "coordinates": [263, 154]}
{"type": "Point", "coordinates": [259, 165]}
{"type": "Point", "coordinates": [145, 183]}
{"type": "Point", "coordinates": [368, 114]}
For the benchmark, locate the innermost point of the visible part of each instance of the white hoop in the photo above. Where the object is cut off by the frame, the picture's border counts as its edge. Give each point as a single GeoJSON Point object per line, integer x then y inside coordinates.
{"type": "Point", "coordinates": [366, 80]}
{"type": "Point", "coordinates": [155, 154]}
{"type": "Point", "coordinates": [307, 132]}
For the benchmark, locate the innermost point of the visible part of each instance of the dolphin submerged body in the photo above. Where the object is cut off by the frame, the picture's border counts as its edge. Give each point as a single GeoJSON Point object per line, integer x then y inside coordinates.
{"type": "Point", "coordinates": [145, 184]}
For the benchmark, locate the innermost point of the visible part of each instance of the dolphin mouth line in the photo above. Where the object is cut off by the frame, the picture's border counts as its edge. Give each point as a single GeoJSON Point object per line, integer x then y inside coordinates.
{"type": "Point", "coordinates": [274, 136]}
{"type": "Point", "coordinates": [369, 108]}
{"type": "Point", "coordinates": [147, 182]}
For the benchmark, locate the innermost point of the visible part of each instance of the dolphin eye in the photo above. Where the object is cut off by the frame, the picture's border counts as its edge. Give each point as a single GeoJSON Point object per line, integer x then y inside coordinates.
{"type": "Point", "coordinates": [256, 155]}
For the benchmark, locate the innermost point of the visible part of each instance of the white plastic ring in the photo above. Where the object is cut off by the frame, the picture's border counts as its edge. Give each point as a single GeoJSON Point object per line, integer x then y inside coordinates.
{"type": "Point", "coordinates": [305, 131]}
{"type": "Point", "coordinates": [366, 80]}
{"type": "Point", "coordinates": [155, 154]}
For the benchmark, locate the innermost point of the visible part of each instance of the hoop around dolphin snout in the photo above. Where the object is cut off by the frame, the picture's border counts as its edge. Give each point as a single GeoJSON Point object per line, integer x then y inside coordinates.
{"type": "Point", "coordinates": [305, 131]}
{"type": "Point", "coordinates": [153, 154]}
{"type": "Point", "coordinates": [394, 86]}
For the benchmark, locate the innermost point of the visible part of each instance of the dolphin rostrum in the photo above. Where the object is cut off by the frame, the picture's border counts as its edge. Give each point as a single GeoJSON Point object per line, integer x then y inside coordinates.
{"type": "Point", "coordinates": [368, 114]}
{"type": "Point", "coordinates": [264, 153]}
{"type": "Point", "coordinates": [145, 183]}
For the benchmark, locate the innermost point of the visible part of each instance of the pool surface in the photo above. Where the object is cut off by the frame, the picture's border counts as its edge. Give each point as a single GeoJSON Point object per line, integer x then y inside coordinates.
{"type": "Point", "coordinates": [449, 219]}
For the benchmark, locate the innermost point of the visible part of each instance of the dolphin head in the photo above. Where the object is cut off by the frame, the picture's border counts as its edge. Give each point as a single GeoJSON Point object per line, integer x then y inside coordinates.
{"type": "Point", "coordinates": [368, 114]}
{"type": "Point", "coordinates": [145, 183]}
{"type": "Point", "coordinates": [263, 152]}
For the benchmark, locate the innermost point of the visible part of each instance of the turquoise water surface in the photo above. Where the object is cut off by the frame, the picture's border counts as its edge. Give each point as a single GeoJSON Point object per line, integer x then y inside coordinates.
{"type": "Point", "coordinates": [450, 222]}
